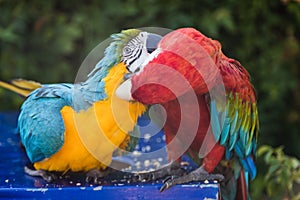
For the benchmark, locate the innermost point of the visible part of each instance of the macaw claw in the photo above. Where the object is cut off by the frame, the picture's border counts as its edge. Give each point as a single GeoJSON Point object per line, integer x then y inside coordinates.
{"type": "Point", "coordinates": [173, 169]}
{"type": "Point", "coordinates": [46, 175]}
{"type": "Point", "coordinates": [199, 174]}
{"type": "Point", "coordinates": [95, 175]}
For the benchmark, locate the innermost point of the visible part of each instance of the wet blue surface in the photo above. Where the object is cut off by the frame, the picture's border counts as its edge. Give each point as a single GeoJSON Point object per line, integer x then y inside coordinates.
{"type": "Point", "coordinates": [15, 184]}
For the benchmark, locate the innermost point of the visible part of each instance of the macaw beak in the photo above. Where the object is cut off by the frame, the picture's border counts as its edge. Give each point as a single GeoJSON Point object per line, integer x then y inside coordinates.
{"type": "Point", "coordinates": [152, 42]}
{"type": "Point", "coordinates": [128, 76]}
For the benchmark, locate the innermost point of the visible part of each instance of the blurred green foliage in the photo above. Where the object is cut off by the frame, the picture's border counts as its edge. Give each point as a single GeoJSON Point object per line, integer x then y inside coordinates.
{"type": "Point", "coordinates": [279, 177]}
{"type": "Point", "coordinates": [46, 41]}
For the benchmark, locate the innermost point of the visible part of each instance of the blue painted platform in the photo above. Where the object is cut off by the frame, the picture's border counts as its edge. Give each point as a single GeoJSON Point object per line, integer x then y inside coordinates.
{"type": "Point", "coordinates": [15, 184]}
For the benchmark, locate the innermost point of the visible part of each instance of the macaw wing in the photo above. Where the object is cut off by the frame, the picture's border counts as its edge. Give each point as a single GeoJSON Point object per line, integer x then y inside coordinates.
{"type": "Point", "coordinates": [235, 127]}
{"type": "Point", "coordinates": [235, 124]}
{"type": "Point", "coordinates": [40, 122]}
{"type": "Point", "coordinates": [61, 90]}
{"type": "Point", "coordinates": [87, 93]}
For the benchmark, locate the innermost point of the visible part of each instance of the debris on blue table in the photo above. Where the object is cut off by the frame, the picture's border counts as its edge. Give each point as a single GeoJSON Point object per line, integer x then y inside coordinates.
{"type": "Point", "coordinates": [14, 183]}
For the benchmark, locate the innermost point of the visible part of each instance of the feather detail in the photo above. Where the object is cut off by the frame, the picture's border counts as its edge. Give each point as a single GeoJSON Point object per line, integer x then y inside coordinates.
{"type": "Point", "coordinates": [21, 86]}
{"type": "Point", "coordinates": [233, 133]}
{"type": "Point", "coordinates": [225, 131]}
{"type": "Point", "coordinates": [214, 120]}
{"type": "Point", "coordinates": [252, 167]}
{"type": "Point", "coordinates": [26, 84]}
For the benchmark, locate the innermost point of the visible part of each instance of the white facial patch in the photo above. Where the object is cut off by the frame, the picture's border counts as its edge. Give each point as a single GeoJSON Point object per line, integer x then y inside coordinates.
{"type": "Point", "coordinates": [135, 52]}
{"type": "Point", "coordinates": [149, 58]}
{"type": "Point", "coordinates": [124, 90]}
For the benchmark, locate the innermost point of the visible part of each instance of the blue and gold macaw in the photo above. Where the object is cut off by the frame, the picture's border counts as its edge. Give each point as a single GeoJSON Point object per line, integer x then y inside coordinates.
{"type": "Point", "coordinates": [77, 127]}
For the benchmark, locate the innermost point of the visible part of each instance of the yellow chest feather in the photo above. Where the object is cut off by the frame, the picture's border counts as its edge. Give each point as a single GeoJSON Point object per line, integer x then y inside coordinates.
{"type": "Point", "coordinates": [91, 136]}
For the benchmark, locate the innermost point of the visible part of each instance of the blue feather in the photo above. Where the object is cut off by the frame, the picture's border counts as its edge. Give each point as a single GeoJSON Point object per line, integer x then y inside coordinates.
{"type": "Point", "coordinates": [238, 150]}
{"type": "Point", "coordinates": [247, 178]}
{"type": "Point", "coordinates": [233, 123]}
{"type": "Point", "coordinates": [252, 168]}
{"type": "Point", "coordinates": [228, 154]}
{"type": "Point", "coordinates": [244, 136]}
{"type": "Point", "coordinates": [225, 131]}
{"type": "Point", "coordinates": [253, 146]}
{"type": "Point", "coordinates": [215, 124]}
{"type": "Point", "coordinates": [247, 162]}
{"type": "Point", "coordinates": [233, 133]}
{"type": "Point", "coordinates": [232, 140]}
{"type": "Point", "coordinates": [41, 130]}
{"type": "Point", "coordinates": [245, 165]}
{"type": "Point", "coordinates": [249, 148]}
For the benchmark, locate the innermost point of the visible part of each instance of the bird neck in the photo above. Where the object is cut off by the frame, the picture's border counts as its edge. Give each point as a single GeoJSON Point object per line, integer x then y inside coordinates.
{"type": "Point", "coordinates": [100, 85]}
{"type": "Point", "coordinates": [114, 78]}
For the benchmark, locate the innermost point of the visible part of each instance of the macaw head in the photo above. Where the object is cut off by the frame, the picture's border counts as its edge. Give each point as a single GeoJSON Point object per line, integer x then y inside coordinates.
{"type": "Point", "coordinates": [131, 46]}
{"type": "Point", "coordinates": [137, 48]}
{"type": "Point", "coordinates": [127, 49]}
{"type": "Point", "coordinates": [185, 59]}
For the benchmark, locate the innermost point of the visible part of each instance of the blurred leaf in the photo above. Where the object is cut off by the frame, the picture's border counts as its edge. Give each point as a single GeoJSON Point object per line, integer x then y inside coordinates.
{"type": "Point", "coordinates": [283, 172]}
{"type": "Point", "coordinates": [7, 35]}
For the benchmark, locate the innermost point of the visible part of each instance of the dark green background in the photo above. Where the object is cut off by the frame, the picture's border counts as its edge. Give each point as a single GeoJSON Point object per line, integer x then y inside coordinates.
{"type": "Point", "coordinates": [46, 41]}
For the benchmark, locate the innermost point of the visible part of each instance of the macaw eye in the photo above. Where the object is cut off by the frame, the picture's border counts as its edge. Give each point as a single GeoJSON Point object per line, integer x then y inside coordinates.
{"type": "Point", "coordinates": [126, 51]}
{"type": "Point", "coordinates": [142, 34]}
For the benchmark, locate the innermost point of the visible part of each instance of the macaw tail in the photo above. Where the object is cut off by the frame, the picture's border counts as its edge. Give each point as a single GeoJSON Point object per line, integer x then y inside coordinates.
{"type": "Point", "coordinates": [242, 186]}
{"type": "Point", "coordinates": [235, 184]}
{"type": "Point", "coordinates": [235, 189]}
{"type": "Point", "coordinates": [21, 86]}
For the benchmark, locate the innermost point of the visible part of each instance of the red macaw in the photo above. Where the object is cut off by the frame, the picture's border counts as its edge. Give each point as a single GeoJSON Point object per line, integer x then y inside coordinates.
{"type": "Point", "coordinates": [210, 105]}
